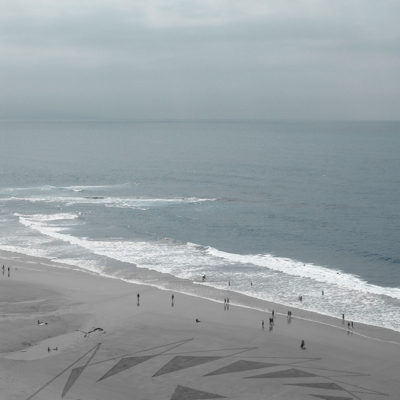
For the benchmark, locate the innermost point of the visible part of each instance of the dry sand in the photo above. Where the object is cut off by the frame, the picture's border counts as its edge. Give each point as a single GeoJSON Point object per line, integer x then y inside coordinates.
{"type": "Point", "coordinates": [156, 351]}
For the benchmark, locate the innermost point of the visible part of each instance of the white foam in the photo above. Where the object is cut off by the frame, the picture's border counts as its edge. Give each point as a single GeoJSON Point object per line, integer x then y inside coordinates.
{"type": "Point", "coordinates": [46, 217]}
{"type": "Point", "coordinates": [300, 269]}
{"type": "Point", "coordinates": [50, 188]}
{"type": "Point", "coordinates": [81, 188]}
{"type": "Point", "coordinates": [277, 279]}
{"type": "Point", "coordinates": [165, 256]}
{"type": "Point", "coordinates": [43, 188]}
{"type": "Point", "coordinates": [118, 202]}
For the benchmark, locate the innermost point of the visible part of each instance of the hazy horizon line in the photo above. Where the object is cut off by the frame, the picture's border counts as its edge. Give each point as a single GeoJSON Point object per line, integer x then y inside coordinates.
{"type": "Point", "coordinates": [175, 120]}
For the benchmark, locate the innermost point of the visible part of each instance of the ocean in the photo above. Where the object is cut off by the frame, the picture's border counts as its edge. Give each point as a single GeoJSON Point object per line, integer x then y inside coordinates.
{"type": "Point", "coordinates": [278, 209]}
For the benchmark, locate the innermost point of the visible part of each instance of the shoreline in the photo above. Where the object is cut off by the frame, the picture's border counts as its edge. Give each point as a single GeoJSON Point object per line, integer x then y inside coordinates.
{"type": "Point", "coordinates": [237, 299]}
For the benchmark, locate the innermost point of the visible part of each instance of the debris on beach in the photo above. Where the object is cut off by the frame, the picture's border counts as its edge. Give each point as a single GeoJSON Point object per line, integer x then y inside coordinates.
{"type": "Point", "coordinates": [98, 330]}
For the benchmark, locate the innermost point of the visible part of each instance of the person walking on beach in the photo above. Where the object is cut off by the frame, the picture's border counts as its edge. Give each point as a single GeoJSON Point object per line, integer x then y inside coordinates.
{"type": "Point", "coordinates": [271, 324]}
{"type": "Point", "coordinates": [227, 303]}
{"type": "Point", "coordinates": [273, 313]}
{"type": "Point", "coordinates": [262, 324]}
{"type": "Point", "coordinates": [3, 269]}
{"type": "Point", "coordinates": [172, 300]}
{"type": "Point", "coordinates": [302, 344]}
{"type": "Point", "coordinates": [224, 303]}
{"type": "Point", "coordinates": [342, 318]}
{"type": "Point", "coordinates": [8, 269]}
{"type": "Point", "coordinates": [289, 317]}
{"type": "Point", "coordinates": [138, 299]}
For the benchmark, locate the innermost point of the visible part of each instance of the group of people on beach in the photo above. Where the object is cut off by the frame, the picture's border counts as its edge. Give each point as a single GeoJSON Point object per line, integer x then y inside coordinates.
{"type": "Point", "coordinates": [226, 304]}
{"type": "Point", "coordinates": [350, 324]}
{"type": "Point", "coordinates": [8, 270]}
{"type": "Point", "coordinates": [272, 322]}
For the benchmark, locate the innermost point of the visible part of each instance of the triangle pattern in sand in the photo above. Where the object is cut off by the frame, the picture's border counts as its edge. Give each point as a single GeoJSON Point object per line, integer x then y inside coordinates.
{"type": "Point", "coordinates": [182, 362]}
{"type": "Point", "coordinates": [287, 373]}
{"type": "Point", "coordinates": [187, 393]}
{"type": "Point", "coordinates": [318, 385]}
{"type": "Point", "coordinates": [124, 364]}
{"type": "Point", "coordinates": [73, 376]}
{"type": "Point", "coordinates": [76, 372]}
{"type": "Point", "coordinates": [322, 396]}
{"type": "Point", "coordinates": [239, 366]}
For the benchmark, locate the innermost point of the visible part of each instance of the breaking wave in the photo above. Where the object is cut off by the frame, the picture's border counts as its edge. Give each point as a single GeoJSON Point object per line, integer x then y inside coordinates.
{"type": "Point", "coordinates": [117, 202]}
{"type": "Point", "coordinates": [272, 278]}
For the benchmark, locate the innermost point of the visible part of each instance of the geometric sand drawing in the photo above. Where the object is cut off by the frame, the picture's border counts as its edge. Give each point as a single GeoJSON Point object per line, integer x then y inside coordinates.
{"type": "Point", "coordinates": [181, 362]}
{"type": "Point", "coordinates": [123, 364]}
{"type": "Point", "coordinates": [326, 385]}
{"type": "Point", "coordinates": [76, 372]}
{"type": "Point", "coordinates": [239, 366]}
{"type": "Point", "coordinates": [288, 373]}
{"type": "Point", "coordinates": [321, 396]}
{"type": "Point", "coordinates": [186, 393]}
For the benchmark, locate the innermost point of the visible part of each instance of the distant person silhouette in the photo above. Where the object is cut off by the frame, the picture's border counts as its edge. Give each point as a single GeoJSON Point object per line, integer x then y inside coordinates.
{"type": "Point", "coordinates": [289, 317]}
{"type": "Point", "coordinates": [302, 345]}
{"type": "Point", "coordinates": [138, 299]}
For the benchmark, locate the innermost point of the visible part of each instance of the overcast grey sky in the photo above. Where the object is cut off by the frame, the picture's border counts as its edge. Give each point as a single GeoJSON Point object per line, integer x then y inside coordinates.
{"type": "Point", "coordinates": [157, 59]}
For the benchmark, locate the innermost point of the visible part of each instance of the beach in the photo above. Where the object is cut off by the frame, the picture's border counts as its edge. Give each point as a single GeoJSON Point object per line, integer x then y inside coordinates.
{"type": "Point", "coordinates": [76, 335]}
{"type": "Point", "coordinates": [199, 200]}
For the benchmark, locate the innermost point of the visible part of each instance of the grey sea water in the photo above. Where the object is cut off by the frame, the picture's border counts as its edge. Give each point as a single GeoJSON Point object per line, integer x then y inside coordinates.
{"type": "Point", "coordinates": [293, 207]}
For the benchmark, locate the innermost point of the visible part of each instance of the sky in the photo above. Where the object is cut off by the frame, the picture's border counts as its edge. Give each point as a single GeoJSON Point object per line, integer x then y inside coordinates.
{"type": "Point", "coordinates": [199, 59]}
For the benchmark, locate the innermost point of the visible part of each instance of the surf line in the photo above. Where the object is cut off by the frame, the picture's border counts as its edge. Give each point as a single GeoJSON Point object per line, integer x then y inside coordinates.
{"type": "Point", "coordinates": [160, 287]}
